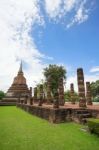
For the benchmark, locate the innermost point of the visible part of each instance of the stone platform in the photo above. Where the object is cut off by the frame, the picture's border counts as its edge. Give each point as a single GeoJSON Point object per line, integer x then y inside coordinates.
{"type": "Point", "coordinates": [51, 114]}
{"type": "Point", "coordinates": [62, 114]}
{"type": "Point", "coordinates": [8, 101]}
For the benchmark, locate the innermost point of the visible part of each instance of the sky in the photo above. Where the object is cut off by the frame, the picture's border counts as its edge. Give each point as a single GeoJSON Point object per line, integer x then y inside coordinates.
{"type": "Point", "coordinates": [62, 32]}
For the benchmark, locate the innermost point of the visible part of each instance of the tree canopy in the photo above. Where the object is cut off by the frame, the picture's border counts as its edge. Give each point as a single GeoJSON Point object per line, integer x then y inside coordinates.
{"type": "Point", "coordinates": [55, 72]}
{"type": "Point", "coordinates": [67, 95]}
{"type": "Point", "coordinates": [95, 91]}
{"type": "Point", "coordinates": [95, 88]}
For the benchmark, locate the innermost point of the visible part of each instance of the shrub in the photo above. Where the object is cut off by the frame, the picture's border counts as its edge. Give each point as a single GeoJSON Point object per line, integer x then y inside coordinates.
{"type": "Point", "coordinates": [2, 95]}
{"type": "Point", "coordinates": [93, 125]}
{"type": "Point", "coordinates": [96, 99]}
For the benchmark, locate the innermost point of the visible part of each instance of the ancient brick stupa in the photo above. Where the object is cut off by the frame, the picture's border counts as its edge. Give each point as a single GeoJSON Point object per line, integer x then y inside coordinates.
{"type": "Point", "coordinates": [19, 87]}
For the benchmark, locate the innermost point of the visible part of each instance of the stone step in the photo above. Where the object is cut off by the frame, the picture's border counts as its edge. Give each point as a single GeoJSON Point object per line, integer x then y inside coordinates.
{"type": "Point", "coordinates": [84, 120]}
{"type": "Point", "coordinates": [82, 111]}
{"type": "Point", "coordinates": [7, 103]}
{"type": "Point", "coordinates": [84, 115]}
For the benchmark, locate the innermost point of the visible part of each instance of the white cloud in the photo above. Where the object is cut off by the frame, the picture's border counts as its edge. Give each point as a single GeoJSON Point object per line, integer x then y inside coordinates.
{"type": "Point", "coordinates": [69, 5]}
{"type": "Point", "coordinates": [81, 15]}
{"type": "Point", "coordinates": [91, 78]}
{"type": "Point", "coordinates": [61, 9]}
{"type": "Point", "coordinates": [94, 69]}
{"type": "Point", "coordinates": [16, 21]}
{"type": "Point", "coordinates": [52, 7]}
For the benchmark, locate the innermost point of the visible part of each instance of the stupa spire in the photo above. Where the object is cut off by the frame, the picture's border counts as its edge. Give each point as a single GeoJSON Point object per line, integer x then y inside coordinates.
{"type": "Point", "coordinates": [20, 69]}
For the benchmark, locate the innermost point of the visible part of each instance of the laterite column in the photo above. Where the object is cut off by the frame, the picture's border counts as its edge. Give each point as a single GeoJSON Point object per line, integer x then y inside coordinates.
{"type": "Point", "coordinates": [35, 94]}
{"type": "Point", "coordinates": [72, 93]}
{"type": "Point", "coordinates": [56, 100]}
{"type": "Point", "coordinates": [30, 91]}
{"type": "Point", "coordinates": [49, 98]}
{"type": "Point", "coordinates": [81, 87]}
{"type": "Point", "coordinates": [88, 94]}
{"type": "Point", "coordinates": [61, 92]}
{"type": "Point", "coordinates": [41, 95]}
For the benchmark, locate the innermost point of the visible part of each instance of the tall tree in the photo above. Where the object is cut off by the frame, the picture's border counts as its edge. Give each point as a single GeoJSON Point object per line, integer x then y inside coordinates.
{"type": "Point", "coordinates": [54, 72]}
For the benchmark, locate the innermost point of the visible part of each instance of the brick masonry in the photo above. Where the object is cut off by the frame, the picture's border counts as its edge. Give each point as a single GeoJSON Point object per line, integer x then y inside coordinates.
{"type": "Point", "coordinates": [60, 115]}
{"type": "Point", "coordinates": [81, 87]}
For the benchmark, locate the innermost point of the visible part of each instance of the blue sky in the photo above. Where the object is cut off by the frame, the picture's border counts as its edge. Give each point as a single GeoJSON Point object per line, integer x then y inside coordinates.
{"type": "Point", "coordinates": [75, 47]}
{"type": "Point", "coordinates": [63, 32]}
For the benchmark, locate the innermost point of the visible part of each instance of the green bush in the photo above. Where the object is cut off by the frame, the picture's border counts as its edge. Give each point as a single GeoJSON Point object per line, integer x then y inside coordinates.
{"type": "Point", "coordinates": [2, 95]}
{"type": "Point", "coordinates": [93, 125]}
{"type": "Point", "coordinates": [96, 99]}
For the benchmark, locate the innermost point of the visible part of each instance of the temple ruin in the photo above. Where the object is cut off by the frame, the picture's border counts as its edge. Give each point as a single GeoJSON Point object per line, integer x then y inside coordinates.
{"type": "Point", "coordinates": [52, 107]}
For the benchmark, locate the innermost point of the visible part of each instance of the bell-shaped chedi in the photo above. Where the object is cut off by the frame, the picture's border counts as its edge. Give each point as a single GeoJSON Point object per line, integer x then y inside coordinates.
{"type": "Point", "coordinates": [19, 87]}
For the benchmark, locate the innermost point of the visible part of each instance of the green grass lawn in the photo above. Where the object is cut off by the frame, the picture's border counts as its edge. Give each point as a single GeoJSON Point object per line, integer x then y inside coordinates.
{"type": "Point", "coordinates": [22, 131]}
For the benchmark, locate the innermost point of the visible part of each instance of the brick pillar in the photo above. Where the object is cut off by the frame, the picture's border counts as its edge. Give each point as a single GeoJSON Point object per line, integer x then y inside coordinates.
{"type": "Point", "coordinates": [18, 101]}
{"type": "Point", "coordinates": [81, 87]}
{"type": "Point", "coordinates": [41, 95]}
{"type": "Point", "coordinates": [49, 98]}
{"type": "Point", "coordinates": [26, 98]}
{"type": "Point", "coordinates": [72, 93]}
{"type": "Point", "coordinates": [56, 100]}
{"type": "Point", "coordinates": [30, 91]}
{"type": "Point", "coordinates": [88, 94]}
{"type": "Point", "coordinates": [31, 101]}
{"type": "Point", "coordinates": [22, 101]}
{"type": "Point", "coordinates": [61, 92]}
{"type": "Point", "coordinates": [35, 94]}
